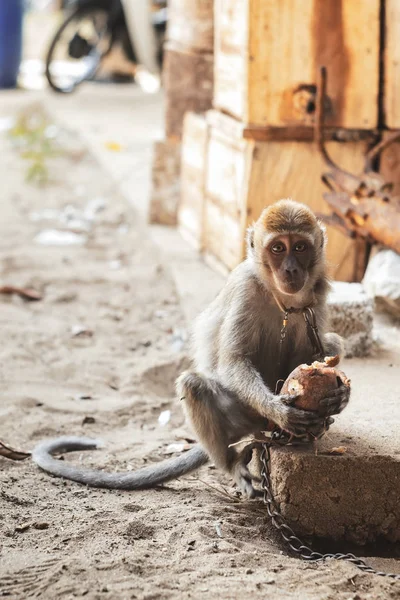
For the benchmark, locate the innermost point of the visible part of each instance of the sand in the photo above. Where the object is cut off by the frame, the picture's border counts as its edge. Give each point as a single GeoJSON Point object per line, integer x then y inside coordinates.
{"type": "Point", "coordinates": [98, 356]}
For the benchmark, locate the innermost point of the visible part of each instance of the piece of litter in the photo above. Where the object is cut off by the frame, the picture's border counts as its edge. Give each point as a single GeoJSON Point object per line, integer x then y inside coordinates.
{"type": "Point", "coordinates": [217, 526]}
{"type": "Point", "coordinates": [81, 331]}
{"type": "Point", "coordinates": [164, 417]}
{"type": "Point", "coordinates": [338, 450]}
{"type": "Point", "coordinates": [88, 420]}
{"type": "Point", "coordinates": [25, 293]}
{"type": "Point", "coordinates": [177, 447]}
{"type": "Point", "coordinates": [113, 146]}
{"type": "Point", "coordinates": [54, 237]}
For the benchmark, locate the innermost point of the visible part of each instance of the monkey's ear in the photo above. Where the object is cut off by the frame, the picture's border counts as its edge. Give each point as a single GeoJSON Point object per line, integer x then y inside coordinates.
{"type": "Point", "coordinates": [250, 240]}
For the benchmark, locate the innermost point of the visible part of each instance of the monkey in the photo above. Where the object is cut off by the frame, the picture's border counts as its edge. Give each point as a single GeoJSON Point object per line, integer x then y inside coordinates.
{"type": "Point", "coordinates": [238, 356]}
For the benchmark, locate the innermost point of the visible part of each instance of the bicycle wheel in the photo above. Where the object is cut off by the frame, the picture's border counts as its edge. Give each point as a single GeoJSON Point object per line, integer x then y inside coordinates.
{"type": "Point", "coordinates": [78, 47]}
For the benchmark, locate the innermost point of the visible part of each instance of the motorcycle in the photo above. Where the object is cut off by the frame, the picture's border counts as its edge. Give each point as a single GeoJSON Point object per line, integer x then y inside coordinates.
{"type": "Point", "coordinates": [92, 28]}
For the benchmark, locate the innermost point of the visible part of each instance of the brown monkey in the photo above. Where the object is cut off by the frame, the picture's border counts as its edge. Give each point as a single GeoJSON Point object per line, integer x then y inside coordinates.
{"type": "Point", "coordinates": [238, 357]}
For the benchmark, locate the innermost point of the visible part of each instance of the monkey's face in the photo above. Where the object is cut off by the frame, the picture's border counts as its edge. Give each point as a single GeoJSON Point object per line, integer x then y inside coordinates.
{"type": "Point", "coordinates": [290, 258]}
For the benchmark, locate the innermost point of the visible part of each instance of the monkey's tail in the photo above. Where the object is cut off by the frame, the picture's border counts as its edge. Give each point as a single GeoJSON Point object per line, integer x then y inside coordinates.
{"type": "Point", "coordinates": [148, 477]}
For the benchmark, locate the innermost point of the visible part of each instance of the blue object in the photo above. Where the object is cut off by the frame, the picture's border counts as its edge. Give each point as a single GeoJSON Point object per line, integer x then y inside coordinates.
{"type": "Point", "coordinates": [11, 12]}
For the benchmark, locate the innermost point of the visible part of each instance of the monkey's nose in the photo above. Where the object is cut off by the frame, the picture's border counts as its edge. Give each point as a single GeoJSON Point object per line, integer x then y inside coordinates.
{"type": "Point", "coordinates": [292, 271]}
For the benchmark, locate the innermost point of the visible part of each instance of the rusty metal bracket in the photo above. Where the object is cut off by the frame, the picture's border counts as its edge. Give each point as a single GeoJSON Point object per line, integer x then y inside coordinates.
{"type": "Point", "coordinates": [362, 204]}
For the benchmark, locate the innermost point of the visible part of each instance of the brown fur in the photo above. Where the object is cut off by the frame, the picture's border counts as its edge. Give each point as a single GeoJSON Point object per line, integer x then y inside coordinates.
{"type": "Point", "coordinates": [287, 215]}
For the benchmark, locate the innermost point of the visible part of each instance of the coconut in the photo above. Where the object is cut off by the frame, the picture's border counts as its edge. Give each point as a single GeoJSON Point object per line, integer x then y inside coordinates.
{"type": "Point", "coordinates": [312, 383]}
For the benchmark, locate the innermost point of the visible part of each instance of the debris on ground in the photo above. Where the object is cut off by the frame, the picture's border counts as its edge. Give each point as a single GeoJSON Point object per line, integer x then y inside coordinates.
{"type": "Point", "coordinates": [25, 293]}
{"type": "Point", "coordinates": [164, 418]}
{"type": "Point", "coordinates": [54, 237]}
{"type": "Point", "coordinates": [12, 453]}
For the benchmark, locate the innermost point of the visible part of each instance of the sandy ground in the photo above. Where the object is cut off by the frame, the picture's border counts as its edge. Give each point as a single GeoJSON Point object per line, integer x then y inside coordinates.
{"type": "Point", "coordinates": [58, 539]}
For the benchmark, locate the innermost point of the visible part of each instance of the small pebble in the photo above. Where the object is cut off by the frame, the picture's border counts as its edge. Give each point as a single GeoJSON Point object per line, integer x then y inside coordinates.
{"type": "Point", "coordinates": [23, 527]}
{"type": "Point", "coordinates": [41, 525]}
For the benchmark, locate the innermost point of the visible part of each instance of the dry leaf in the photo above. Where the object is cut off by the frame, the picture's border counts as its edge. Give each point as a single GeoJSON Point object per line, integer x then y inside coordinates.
{"type": "Point", "coordinates": [11, 453]}
{"type": "Point", "coordinates": [25, 293]}
{"type": "Point", "coordinates": [338, 450]}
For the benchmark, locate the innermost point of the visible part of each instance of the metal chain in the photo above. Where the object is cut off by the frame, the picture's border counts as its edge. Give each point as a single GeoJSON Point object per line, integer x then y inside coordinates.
{"type": "Point", "coordinates": [287, 533]}
{"type": "Point", "coordinates": [282, 336]}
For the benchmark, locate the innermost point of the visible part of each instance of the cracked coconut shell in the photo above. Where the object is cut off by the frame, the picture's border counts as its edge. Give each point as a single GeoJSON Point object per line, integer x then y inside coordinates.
{"type": "Point", "coordinates": [312, 383]}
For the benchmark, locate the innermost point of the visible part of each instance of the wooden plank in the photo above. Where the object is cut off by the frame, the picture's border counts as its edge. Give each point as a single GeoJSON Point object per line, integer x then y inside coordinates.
{"type": "Point", "coordinates": [267, 54]}
{"type": "Point", "coordinates": [188, 81]}
{"type": "Point", "coordinates": [223, 235]}
{"type": "Point", "coordinates": [230, 58]}
{"type": "Point", "coordinates": [165, 191]}
{"type": "Point", "coordinates": [228, 160]}
{"type": "Point", "coordinates": [390, 165]}
{"type": "Point", "coordinates": [191, 24]}
{"type": "Point", "coordinates": [193, 172]}
{"type": "Point", "coordinates": [391, 67]}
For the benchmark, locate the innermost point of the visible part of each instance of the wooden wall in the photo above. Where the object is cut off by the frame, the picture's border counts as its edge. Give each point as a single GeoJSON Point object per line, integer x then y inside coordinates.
{"type": "Point", "coordinates": [391, 65]}
{"type": "Point", "coordinates": [267, 55]}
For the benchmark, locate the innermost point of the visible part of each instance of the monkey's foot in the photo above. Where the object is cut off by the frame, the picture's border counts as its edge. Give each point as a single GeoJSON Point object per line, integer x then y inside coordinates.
{"type": "Point", "coordinates": [241, 474]}
{"type": "Point", "coordinates": [244, 481]}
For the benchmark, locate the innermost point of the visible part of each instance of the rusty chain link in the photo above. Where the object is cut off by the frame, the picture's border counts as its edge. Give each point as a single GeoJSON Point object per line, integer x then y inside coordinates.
{"type": "Point", "coordinates": [287, 533]}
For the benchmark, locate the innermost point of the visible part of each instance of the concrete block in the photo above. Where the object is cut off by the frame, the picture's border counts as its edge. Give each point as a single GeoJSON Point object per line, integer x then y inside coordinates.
{"type": "Point", "coordinates": [351, 315]}
{"type": "Point", "coordinates": [352, 496]}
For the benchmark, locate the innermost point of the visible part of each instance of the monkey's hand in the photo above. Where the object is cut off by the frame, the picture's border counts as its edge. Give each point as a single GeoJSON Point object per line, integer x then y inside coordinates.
{"type": "Point", "coordinates": [294, 420]}
{"type": "Point", "coordinates": [335, 401]}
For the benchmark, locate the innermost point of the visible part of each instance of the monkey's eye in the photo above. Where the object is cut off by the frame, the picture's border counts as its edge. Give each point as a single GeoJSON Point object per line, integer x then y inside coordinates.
{"type": "Point", "coordinates": [300, 247]}
{"type": "Point", "coordinates": [278, 248]}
